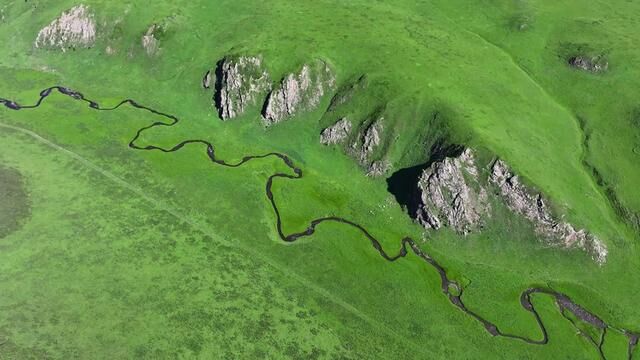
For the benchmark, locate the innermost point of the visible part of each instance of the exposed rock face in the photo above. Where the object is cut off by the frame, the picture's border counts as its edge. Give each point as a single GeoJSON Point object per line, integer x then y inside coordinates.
{"type": "Point", "coordinates": [364, 146]}
{"type": "Point", "coordinates": [517, 197]}
{"type": "Point", "coordinates": [240, 82]}
{"type": "Point", "coordinates": [150, 42]}
{"type": "Point", "coordinates": [369, 140]}
{"type": "Point", "coordinates": [298, 92]}
{"type": "Point", "coordinates": [206, 80]}
{"type": "Point", "coordinates": [336, 133]}
{"type": "Point", "coordinates": [594, 64]}
{"type": "Point", "coordinates": [378, 168]}
{"type": "Point", "coordinates": [74, 28]}
{"type": "Point", "coordinates": [533, 207]}
{"type": "Point", "coordinates": [452, 196]}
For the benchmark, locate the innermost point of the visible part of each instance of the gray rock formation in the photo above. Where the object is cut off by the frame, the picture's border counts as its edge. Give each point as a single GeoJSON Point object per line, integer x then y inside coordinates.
{"type": "Point", "coordinates": [150, 42]}
{"type": "Point", "coordinates": [206, 80]}
{"type": "Point", "coordinates": [370, 139]}
{"type": "Point", "coordinates": [336, 133]}
{"type": "Point", "coordinates": [378, 168]}
{"type": "Point", "coordinates": [72, 29]}
{"type": "Point", "coordinates": [365, 145]}
{"type": "Point", "coordinates": [241, 81]}
{"type": "Point", "coordinates": [532, 206]}
{"type": "Point", "coordinates": [298, 92]}
{"type": "Point", "coordinates": [595, 64]}
{"type": "Point", "coordinates": [452, 196]}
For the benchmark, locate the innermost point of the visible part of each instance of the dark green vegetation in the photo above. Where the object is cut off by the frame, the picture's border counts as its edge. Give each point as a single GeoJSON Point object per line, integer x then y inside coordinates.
{"type": "Point", "coordinates": [160, 255]}
{"type": "Point", "coordinates": [12, 193]}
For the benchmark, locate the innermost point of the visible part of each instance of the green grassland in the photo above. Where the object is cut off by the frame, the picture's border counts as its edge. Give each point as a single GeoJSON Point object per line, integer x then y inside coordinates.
{"type": "Point", "coordinates": [116, 253]}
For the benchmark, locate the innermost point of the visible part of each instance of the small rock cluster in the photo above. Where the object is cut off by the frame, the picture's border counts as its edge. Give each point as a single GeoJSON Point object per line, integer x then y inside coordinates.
{"type": "Point", "coordinates": [595, 64]}
{"type": "Point", "coordinates": [452, 195]}
{"type": "Point", "coordinates": [72, 29]}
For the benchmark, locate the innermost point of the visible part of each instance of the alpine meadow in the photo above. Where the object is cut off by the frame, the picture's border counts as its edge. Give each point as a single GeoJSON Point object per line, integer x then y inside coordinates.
{"type": "Point", "coordinates": [390, 179]}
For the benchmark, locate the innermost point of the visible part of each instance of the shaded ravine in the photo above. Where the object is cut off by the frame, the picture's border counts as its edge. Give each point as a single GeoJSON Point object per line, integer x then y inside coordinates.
{"type": "Point", "coordinates": [449, 287]}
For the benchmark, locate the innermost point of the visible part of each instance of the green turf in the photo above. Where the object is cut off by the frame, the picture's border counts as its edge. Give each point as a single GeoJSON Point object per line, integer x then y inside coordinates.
{"type": "Point", "coordinates": [141, 254]}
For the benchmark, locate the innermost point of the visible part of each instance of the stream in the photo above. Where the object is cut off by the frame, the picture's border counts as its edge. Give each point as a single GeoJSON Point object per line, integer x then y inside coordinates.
{"type": "Point", "coordinates": [450, 288]}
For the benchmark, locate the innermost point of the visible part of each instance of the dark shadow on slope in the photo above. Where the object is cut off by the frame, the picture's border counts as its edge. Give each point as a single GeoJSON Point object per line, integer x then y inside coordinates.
{"type": "Point", "coordinates": [217, 95]}
{"type": "Point", "coordinates": [403, 184]}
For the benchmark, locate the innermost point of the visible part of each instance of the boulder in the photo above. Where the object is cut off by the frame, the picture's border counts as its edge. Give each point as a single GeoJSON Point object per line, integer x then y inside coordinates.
{"type": "Point", "coordinates": [240, 82]}
{"type": "Point", "coordinates": [298, 92]}
{"type": "Point", "coordinates": [74, 28]}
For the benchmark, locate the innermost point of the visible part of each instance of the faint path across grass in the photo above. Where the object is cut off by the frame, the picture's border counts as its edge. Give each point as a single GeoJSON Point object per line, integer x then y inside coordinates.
{"type": "Point", "coordinates": [198, 225]}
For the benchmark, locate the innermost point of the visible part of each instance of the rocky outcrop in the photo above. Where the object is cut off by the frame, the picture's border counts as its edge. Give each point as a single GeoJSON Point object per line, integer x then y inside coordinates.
{"type": "Point", "coordinates": [72, 29]}
{"type": "Point", "coordinates": [150, 41]}
{"type": "Point", "coordinates": [336, 133]}
{"type": "Point", "coordinates": [594, 64]}
{"type": "Point", "coordinates": [517, 196]}
{"type": "Point", "coordinates": [206, 80]}
{"type": "Point", "coordinates": [298, 92]}
{"type": "Point", "coordinates": [533, 207]}
{"type": "Point", "coordinates": [452, 196]}
{"type": "Point", "coordinates": [365, 147]}
{"type": "Point", "coordinates": [370, 138]}
{"type": "Point", "coordinates": [378, 168]}
{"type": "Point", "coordinates": [240, 82]}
